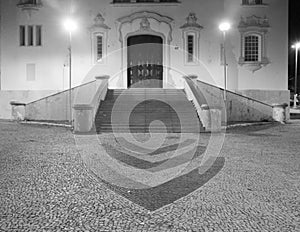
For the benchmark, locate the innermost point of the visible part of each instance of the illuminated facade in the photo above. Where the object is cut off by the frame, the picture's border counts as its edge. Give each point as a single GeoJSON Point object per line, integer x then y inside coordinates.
{"type": "Point", "coordinates": [34, 45]}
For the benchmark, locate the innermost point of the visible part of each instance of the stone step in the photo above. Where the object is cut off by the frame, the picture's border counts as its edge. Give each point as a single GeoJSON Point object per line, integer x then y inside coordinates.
{"type": "Point", "coordinates": [147, 108]}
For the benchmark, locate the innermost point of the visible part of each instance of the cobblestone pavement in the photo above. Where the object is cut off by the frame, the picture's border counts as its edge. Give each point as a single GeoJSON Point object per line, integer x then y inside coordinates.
{"type": "Point", "coordinates": [45, 186]}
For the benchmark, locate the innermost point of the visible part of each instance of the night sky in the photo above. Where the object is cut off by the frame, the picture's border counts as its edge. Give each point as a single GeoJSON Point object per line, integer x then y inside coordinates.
{"type": "Point", "coordinates": [294, 35]}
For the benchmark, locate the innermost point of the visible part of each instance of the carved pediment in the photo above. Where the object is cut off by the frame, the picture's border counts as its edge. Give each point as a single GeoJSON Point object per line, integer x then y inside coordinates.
{"type": "Point", "coordinates": [145, 16]}
{"type": "Point", "coordinates": [254, 21]}
{"type": "Point", "coordinates": [99, 23]}
{"type": "Point", "coordinates": [145, 24]}
{"type": "Point", "coordinates": [29, 6]}
{"type": "Point", "coordinates": [191, 22]}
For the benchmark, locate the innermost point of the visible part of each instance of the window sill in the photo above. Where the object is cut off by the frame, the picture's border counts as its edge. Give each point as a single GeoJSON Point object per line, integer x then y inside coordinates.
{"type": "Point", "coordinates": [30, 46]}
{"type": "Point", "coordinates": [191, 63]}
{"type": "Point", "coordinates": [141, 4]}
{"type": "Point", "coordinates": [254, 5]}
{"type": "Point", "coordinates": [28, 6]}
{"type": "Point", "coordinates": [254, 66]}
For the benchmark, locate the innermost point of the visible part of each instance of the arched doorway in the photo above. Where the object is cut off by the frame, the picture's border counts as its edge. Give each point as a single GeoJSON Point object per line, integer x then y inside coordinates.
{"type": "Point", "coordinates": [144, 61]}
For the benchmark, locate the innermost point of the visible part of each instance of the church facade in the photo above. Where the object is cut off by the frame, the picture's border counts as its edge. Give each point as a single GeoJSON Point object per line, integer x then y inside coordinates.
{"type": "Point", "coordinates": [133, 40]}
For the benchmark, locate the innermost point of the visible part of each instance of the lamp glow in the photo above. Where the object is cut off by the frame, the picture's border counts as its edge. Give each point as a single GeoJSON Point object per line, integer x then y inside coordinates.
{"type": "Point", "coordinates": [296, 45]}
{"type": "Point", "coordinates": [225, 26]}
{"type": "Point", "coordinates": [70, 25]}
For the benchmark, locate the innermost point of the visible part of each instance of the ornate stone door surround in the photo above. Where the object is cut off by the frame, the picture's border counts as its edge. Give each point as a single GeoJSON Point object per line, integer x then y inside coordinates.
{"type": "Point", "coordinates": [145, 23]}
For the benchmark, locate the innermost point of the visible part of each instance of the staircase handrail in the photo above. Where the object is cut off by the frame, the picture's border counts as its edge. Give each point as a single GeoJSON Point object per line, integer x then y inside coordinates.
{"type": "Point", "coordinates": [190, 90]}
{"type": "Point", "coordinates": [60, 92]}
{"type": "Point", "coordinates": [234, 93]}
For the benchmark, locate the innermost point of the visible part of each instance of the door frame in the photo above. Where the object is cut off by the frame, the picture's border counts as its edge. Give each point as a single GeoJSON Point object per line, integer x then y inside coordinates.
{"type": "Point", "coordinates": [162, 55]}
{"type": "Point", "coordinates": [165, 58]}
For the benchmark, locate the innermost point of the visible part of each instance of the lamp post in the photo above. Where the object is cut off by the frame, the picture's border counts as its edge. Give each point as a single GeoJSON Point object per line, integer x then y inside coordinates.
{"type": "Point", "coordinates": [70, 26]}
{"type": "Point", "coordinates": [224, 27]}
{"type": "Point", "coordinates": [296, 46]}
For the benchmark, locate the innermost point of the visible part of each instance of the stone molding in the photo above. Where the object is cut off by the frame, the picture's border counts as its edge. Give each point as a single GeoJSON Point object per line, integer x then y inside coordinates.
{"type": "Point", "coordinates": [99, 23]}
{"type": "Point", "coordinates": [257, 26]}
{"type": "Point", "coordinates": [191, 22]}
{"type": "Point", "coordinates": [142, 15]}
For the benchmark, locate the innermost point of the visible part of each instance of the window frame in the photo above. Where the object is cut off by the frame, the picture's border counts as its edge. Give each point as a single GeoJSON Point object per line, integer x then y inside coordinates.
{"type": "Point", "coordinates": [259, 48]}
{"type": "Point", "coordinates": [29, 37]}
{"type": "Point", "coordinates": [196, 42]}
{"type": "Point", "coordinates": [22, 35]}
{"type": "Point", "coordinates": [134, 3]}
{"type": "Point", "coordinates": [262, 53]}
{"type": "Point", "coordinates": [96, 48]}
{"type": "Point", "coordinates": [254, 26]}
{"type": "Point", "coordinates": [144, 1]}
{"type": "Point", "coordinates": [38, 35]}
{"type": "Point", "coordinates": [191, 28]}
{"type": "Point", "coordinates": [190, 55]}
{"type": "Point", "coordinates": [99, 28]}
{"type": "Point", "coordinates": [95, 59]}
{"type": "Point", "coordinates": [252, 2]}
{"type": "Point", "coordinates": [247, 3]}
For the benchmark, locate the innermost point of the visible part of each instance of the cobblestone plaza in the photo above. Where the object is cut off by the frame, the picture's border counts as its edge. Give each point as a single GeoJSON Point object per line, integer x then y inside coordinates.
{"type": "Point", "coordinates": [46, 186]}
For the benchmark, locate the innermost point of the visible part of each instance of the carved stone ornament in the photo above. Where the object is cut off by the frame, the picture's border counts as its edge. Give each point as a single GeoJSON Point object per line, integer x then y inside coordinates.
{"type": "Point", "coordinates": [29, 6]}
{"type": "Point", "coordinates": [145, 24]}
{"type": "Point", "coordinates": [254, 21]}
{"type": "Point", "coordinates": [99, 22]}
{"type": "Point", "coordinates": [144, 16]}
{"type": "Point", "coordinates": [259, 25]}
{"type": "Point", "coordinates": [191, 22]}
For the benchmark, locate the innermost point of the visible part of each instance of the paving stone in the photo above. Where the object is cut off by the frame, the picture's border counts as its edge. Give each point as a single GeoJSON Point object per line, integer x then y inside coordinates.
{"type": "Point", "coordinates": [45, 186]}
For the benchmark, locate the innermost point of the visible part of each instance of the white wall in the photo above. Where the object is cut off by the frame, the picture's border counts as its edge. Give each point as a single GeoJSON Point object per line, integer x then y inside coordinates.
{"type": "Point", "coordinates": [51, 57]}
{"type": "Point", "coordinates": [274, 76]}
{"type": "Point", "coordinates": [22, 96]}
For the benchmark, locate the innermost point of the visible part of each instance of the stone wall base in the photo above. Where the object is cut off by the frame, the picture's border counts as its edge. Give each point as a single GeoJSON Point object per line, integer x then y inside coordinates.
{"type": "Point", "coordinates": [23, 96]}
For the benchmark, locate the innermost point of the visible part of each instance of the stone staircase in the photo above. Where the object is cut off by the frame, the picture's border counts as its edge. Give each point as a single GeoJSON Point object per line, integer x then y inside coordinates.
{"type": "Point", "coordinates": [135, 109]}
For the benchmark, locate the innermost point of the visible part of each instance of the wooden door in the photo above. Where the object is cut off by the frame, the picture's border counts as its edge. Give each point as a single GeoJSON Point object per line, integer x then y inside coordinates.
{"type": "Point", "coordinates": [145, 59]}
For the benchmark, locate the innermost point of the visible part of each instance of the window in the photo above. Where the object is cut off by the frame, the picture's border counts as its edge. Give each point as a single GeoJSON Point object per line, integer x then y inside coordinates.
{"type": "Point", "coordinates": [99, 47]}
{"type": "Point", "coordinates": [253, 31]}
{"type": "Point", "coordinates": [145, 1]}
{"type": "Point", "coordinates": [191, 37]}
{"type": "Point", "coordinates": [190, 48]}
{"type": "Point", "coordinates": [252, 2]}
{"type": "Point", "coordinates": [38, 35]}
{"type": "Point", "coordinates": [30, 35]}
{"type": "Point", "coordinates": [29, 1]}
{"type": "Point", "coordinates": [99, 33]}
{"type": "Point", "coordinates": [22, 35]}
{"type": "Point", "coordinates": [99, 42]}
{"type": "Point", "coordinates": [251, 48]}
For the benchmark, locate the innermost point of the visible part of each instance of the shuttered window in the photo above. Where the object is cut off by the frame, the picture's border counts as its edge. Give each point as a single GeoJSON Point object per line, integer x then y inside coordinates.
{"type": "Point", "coordinates": [190, 48]}
{"type": "Point", "coordinates": [99, 40]}
{"type": "Point", "coordinates": [22, 36]}
{"type": "Point", "coordinates": [38, 35]}
{"type": "Point", "coordinates": [30, 35]}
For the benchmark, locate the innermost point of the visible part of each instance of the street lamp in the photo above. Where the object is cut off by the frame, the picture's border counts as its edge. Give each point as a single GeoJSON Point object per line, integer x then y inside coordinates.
{"type": "Point", "coordinates": [70, 26]}
{"type": "Point", "coordinates": [296, 46]}
{"type": "Point", "coordinates": [224, 27]}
